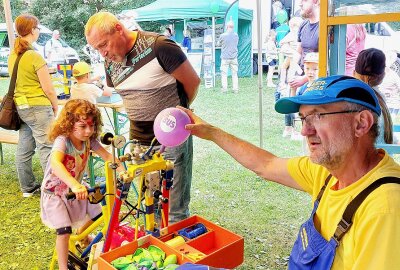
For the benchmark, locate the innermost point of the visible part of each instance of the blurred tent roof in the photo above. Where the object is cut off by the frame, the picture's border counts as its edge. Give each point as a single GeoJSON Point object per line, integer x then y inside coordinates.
{"type": "Point", "coordinates": [167, 10]}
{"type": "Point", "coordinates": [175, 11]}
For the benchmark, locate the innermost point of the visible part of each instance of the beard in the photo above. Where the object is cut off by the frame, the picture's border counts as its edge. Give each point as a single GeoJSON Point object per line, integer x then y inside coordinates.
{"type": "Point", "coordinates": [116, 59]}
{"type": "Point", "coordinates": [331, 156]}
{"type": "Point", "coordinates": [305, 14]}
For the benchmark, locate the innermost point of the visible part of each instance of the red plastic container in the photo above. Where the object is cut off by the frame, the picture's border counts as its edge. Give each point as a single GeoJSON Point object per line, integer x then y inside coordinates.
{"type": "Point", "coordinates": [123, 233]}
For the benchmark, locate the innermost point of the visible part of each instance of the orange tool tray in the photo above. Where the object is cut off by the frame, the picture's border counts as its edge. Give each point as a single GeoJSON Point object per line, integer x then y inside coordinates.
{"type": "Point", "coordinates": [217, 247]}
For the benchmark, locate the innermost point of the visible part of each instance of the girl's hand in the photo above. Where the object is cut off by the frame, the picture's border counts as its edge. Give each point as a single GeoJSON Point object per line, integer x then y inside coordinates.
{"type": "Point", "coordinates": [80, 191]}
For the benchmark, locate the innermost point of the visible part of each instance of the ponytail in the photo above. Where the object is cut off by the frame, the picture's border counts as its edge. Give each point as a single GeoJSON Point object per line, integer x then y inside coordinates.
{"type": "Point", "coordinates": [24, 25]}
{"type": "Point", "coordinates": [21, 45]}
{"type": "Point", "coordinates": [387, 119]}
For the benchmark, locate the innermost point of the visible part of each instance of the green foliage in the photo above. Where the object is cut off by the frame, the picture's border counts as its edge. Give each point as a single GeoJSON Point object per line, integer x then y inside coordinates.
{"type": "Point", "coordinates": [70, 17]}
{"type": "Point", "coordinates": [17, 7]}
{"type": "Point", "coordinates": [151, 26]}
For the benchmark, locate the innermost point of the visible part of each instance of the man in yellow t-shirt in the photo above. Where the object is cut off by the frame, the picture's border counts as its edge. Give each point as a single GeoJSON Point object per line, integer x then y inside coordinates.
{"type": "Point", "coordinates": [340, 122]}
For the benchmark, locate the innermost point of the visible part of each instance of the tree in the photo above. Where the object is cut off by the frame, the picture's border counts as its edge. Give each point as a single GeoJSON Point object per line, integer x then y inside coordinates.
{"type": "Point", "coordinates": [71, 16]}
{"type": "Point", "coordinates": [17, 7]}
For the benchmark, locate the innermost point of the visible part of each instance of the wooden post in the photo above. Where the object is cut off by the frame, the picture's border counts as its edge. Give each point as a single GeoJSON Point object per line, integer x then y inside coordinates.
{"type": "Point", "coordinates": [9, 22]}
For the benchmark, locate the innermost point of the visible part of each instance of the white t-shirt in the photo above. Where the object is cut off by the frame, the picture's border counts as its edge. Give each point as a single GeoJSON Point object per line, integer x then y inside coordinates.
{"type": "Point", "coordinates": [87, 91]}
{"type": "Point", "coordinates": [56, 51]}
{"type": "Point", "coordinates": [390, 88]}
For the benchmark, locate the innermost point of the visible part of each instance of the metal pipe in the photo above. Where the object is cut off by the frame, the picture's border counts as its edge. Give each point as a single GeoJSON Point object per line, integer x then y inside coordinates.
{"type": "Point", "coordinates": [260, 69]}
{"type": "Point", "coordinates": [9, 22]}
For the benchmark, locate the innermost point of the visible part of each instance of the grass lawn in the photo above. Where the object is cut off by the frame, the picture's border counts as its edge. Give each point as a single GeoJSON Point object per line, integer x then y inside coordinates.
{"type": "Point", "coordinates": [267, 215]}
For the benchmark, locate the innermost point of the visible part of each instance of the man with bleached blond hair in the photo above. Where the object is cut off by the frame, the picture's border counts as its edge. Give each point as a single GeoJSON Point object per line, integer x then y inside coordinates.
{"type": "Point", "coordinates": [151, 73]}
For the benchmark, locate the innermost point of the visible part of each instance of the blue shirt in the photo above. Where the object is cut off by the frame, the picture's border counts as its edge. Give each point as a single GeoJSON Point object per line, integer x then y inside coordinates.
{"type": "Point", "coordinates": [187, 43]}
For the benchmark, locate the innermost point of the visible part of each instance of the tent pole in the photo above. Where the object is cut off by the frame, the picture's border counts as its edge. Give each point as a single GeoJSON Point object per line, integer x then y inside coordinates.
{"type": "Point", "coordinates": [9, 22]}
{"type": "Point", "coordinates": [213, 49]}
{"type": "Point", "coordinates": [260, 70]}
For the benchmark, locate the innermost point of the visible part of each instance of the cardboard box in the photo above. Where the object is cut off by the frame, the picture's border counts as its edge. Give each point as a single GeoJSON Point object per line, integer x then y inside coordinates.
{"type": "Point", "coordinates": [217, 247]}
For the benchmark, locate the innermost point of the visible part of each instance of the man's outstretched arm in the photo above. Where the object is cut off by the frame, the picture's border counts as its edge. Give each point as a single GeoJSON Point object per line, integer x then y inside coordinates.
{"type": "Point", "coordinates": [260, 161]}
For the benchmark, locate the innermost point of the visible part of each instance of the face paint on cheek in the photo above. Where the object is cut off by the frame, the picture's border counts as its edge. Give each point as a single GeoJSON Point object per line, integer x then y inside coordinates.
{"type": "Point", "coordinates": [77, 131]}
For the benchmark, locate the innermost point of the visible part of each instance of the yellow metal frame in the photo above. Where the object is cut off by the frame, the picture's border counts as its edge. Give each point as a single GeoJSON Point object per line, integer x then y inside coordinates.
{"type": "Point", "coordinates": [104, 219]}
{"type": "Point", "coordinates": [156, 163]}
{"type": "Point", "coordinates": [139, 171]}
{"type": "Point", "coordinates": [327, 21]}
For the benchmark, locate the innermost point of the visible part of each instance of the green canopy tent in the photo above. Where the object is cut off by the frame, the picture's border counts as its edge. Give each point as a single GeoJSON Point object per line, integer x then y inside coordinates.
{"type": "Point", "coordinates": [179, 11]}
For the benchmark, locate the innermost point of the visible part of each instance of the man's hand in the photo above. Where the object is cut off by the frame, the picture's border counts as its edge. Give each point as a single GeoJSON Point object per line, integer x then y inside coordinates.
{"type": "Point", "coordinates": [186, 75]}
{"type": "Point", "coordinates": [298, 81]}
{"type": "Point", "coordinates": [199, 127]}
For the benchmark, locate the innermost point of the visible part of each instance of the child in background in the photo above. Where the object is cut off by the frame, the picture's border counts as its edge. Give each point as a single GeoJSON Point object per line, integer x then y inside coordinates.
{"type": "Point", "coordinates": [84, 88]}
{"type": "Point", "coordinates": [289, 45]}
{"type": "Point", "coordinates": [288, 69]}
{"type": "Point", "coordinates": [310, 70]}
{"type": "Point", "coordinates": [271, 56]}
{"type": "Point", "coordinates": [74, 134]}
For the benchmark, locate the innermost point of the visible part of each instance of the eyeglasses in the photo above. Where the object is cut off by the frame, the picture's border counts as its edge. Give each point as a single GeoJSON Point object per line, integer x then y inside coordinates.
{"type": "Point", "coordinates": [313, 118]}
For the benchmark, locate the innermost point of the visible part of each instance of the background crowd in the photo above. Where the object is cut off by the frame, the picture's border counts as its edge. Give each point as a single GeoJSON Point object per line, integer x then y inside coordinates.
{"type": "Point", "coordinates": [292, 55]}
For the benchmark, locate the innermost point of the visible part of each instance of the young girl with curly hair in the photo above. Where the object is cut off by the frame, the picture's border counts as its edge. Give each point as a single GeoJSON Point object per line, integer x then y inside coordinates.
{"type": "Point", "coordinates": [74, 134]}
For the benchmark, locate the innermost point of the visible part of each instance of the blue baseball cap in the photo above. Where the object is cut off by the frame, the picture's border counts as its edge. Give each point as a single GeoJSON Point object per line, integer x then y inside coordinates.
{"type": "Point", "coordinates": [330, 90]}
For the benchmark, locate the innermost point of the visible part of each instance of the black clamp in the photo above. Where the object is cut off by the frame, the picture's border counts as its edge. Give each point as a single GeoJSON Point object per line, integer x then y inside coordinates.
{"type": "Point", "coordinates": [341, 229]}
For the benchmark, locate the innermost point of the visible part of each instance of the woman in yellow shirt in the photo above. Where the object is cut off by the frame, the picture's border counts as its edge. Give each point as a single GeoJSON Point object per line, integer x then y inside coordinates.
{"type": "Point", "coordinates": [36, 102]}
